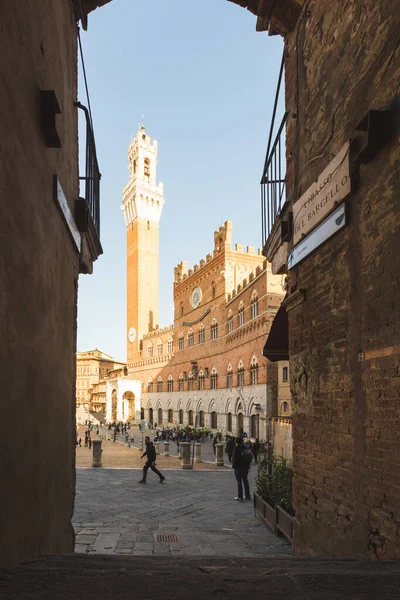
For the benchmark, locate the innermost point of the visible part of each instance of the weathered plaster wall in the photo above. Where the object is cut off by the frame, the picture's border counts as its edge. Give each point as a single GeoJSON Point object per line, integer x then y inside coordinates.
{"type": "Point", "coordinates": [38, 283]}
{"type": "Point", "coordinates": [341, 61]}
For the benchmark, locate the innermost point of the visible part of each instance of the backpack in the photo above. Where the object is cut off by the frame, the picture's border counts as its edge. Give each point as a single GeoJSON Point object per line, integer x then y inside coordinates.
{"type": "Point", "coordinates": [248, 456]}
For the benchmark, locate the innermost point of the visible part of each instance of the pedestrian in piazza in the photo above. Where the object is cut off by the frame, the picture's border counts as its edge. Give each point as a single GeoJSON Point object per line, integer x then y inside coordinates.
{"type": "Point", "coordinates": [150, 453]}
{"type": "Point", "coordinates": [86, 439]}
{"type": "Point", "coordinates": [241, 467]}
{"type": "Point", "coordinates": [90, 442]}
{"type": "Point", "coordinates": [230, 446]}
{"type": "Point", "coordinates": [115, 434]}
{"type": "Point", "coordinates": [80, 442]}
{"type": "Point", "coordinates": [255, 449]}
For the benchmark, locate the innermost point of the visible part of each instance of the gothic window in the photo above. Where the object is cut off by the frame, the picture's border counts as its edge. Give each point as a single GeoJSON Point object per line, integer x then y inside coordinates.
{"type": "Point", "coordinates": [150, 350]}
{"type": "Point", "coordinates": [170, 383]}
{"type": "Point", "coordinates": [150, 385]}
{"type": "Point", "coordinates": [159, 348]}
{"type": "Point", "coordinates": [201, 380]}
{"type": "Point", "coordinates": [285, 407]}
{"type": "Point", "coordinates": [170, 345]}
{"type": "Point", "coordinates": [229, 378]}
{"type": "Point", "coordinates": [181, 341]}
{"type": "Point", "coordinates": [241, 314]}
{"type": "Point", "coordinates": [180, 383]}
{"type": "Point", "coordinates": [214, 379]}
{"type": "Point", "coordinates": [159, 384]}
{"type": "Point", "coordinates": [146, 167]}
{"type": "Point", "coordinates": [254, 305]}
{"type": "Point", "coordinates": [190, 338]}
{"type": "Point", "coordinates": [214, 329]}
{"type": "Point", "coordinates": [240, 375]}
{"type": "Point", "coordinates": [213, 290]}
{"type": "Point", "coordinates": [254, 372]}
{"type": "Point", "coordinates": [190, 382]}
{"type": "Point", "coordinates": [230, 323]}
{"type": "Point", "coordinates": [202, 334]}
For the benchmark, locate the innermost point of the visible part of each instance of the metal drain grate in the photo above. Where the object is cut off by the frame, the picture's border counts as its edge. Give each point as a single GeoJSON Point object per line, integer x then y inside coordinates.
{"type": "Point", "coordinates": [164, 537]}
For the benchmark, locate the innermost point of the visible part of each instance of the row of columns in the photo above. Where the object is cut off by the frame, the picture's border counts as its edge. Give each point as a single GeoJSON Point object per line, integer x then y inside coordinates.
{"type": "Point", "coordinates": [221, 418]}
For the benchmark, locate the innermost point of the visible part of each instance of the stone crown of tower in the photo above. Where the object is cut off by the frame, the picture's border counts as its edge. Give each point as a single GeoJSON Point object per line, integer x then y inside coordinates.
{"type": "Point", "coordinates": [142, 197]}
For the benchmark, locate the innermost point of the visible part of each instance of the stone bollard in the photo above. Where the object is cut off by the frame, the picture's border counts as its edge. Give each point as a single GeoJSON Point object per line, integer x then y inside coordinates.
{"type": "Point", "coordinates": [197, 453]}
{"type": "Point", "coordinates": [219, 455]}
{"type": "Point", "coordinates": [141, 445]}
{"type": "Point", "coordinates": [96, 460]}
{"type": "Point", "coordinates": [157, 447]}
{"type": "Point", "coordinates": [166, 448]}
{"type": "Point", "coordinates": [185, 454]}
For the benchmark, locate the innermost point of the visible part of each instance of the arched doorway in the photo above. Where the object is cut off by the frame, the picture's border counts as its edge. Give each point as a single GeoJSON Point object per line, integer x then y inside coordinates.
{"type": "Point", "coordinates": [170, 415]}
{"type": "Point", "coordinates": [201, 418]}
{"type": "Point", "coordinates": [180, 417]}
{"type": "Point", "coordinates": [254, 425]}
{"type": "Point", "coordinates": [190, 415]}
{"type": "Point", "coordinates": [160, 416]}
{"type": "Point", "coordinates": [214, 420]}
{"type": "Point", "coordinates": [114, 403]}
{"type": "Point", "coordinates": [229, 422]}
{"type": "Point", "coordinates": [128, 406]}
{"type": "Point", "coordinates": [150, 419]}
{"type": "Point", "coordinates": [142, 414]}
{"type": "Point", "coordinates": [240, 424]}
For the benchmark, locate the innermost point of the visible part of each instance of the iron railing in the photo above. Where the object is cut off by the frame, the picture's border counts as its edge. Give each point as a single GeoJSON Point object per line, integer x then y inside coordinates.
{"type": "Point", "coordinates": [92, 174]}
{"type": "Point", "coordinates": [273, 180]}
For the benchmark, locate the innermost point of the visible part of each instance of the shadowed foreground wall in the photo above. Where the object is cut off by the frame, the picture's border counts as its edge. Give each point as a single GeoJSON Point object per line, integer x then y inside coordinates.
{"type": "Point", "coordinates": [38, 283]}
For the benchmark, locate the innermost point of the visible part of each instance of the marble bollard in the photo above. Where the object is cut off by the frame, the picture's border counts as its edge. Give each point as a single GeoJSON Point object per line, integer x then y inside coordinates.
{"type": "Point", "coordinates": [219, 455]}
{"type": "Point", "coordinates": [157, 447]}
{"type": "Point", "coordinates": [96, 460]}
{"type": "Point", "coordinates": [197, 453]}
{"type": "Point", "coordinates": [166, 448]}
{"type": "Point", "coordinates": [186, 462]}
{"type": "Point", "coordinates": [141, 445]}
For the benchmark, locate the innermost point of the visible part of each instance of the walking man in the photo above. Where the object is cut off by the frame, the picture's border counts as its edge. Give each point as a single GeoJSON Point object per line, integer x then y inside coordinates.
{"type": "Point", "coordinates": [241, 468]}
{"type": "Point", "coordinates": [150, 453]}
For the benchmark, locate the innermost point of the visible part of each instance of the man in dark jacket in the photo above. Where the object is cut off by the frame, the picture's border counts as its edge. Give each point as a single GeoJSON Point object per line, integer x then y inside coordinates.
{"type": "Point", "coordinates": [241, 468]}
{"type": "Point", "coordinates": [150, 452]}
{"type": "Point", "coordinates": [230, 446]}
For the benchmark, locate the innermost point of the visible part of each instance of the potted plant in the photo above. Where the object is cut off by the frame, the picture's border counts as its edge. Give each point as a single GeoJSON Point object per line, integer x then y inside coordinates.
{"type": "Point", "coordinates": [273, 499]}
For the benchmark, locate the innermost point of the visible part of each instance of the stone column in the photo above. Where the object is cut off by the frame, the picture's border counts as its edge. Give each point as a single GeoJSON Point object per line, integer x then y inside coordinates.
{"type": "Point", "coordinates": [197, 453]}
{"type": "Point", "coordinates": [185, 454]}
{"type": "Point", "coordinates": [166, 448]}
{"type": "Point", "coordinates": [141, 445]}
{"type": "Point", "coordinates": [157, 447]}
{"type": "Point", "coordinates": [219, 455]}
{"type": "Point", "coordinates": [96, 460]}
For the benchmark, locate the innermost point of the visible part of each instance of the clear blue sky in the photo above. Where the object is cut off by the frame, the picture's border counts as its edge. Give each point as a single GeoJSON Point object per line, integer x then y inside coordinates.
{"type": "Point", "coordinates": [205, 81]}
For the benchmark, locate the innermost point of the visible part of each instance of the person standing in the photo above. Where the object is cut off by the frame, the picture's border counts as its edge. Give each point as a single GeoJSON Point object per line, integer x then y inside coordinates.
{"type": "Point", "coordinates": [255, 449]}
{"type": "Point", "coordinates": [241, 468]}
{"type": "Point", "coordinates": [150, 452]}
{"type": "Point", "coordinates": [230, 446]}
{"type": "Point", "coordinates": [90, 442]}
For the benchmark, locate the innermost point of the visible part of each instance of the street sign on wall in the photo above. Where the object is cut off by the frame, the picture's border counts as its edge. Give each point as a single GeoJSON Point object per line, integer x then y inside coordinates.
{"type": "Point", "coordinates": [325, 230]}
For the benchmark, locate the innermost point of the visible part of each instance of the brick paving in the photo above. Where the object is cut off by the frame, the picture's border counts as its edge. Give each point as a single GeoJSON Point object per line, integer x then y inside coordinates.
{"type": "Point", "coordinates": [192, 514]}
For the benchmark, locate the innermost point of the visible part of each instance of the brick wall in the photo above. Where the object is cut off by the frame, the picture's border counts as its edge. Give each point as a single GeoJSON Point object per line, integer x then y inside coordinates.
{"type": "Point", "coordinates": [341, 61]}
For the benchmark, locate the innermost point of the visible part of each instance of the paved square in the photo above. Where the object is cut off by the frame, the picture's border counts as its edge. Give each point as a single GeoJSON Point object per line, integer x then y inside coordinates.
{"type": "Point", "coordinates": [194, 510]}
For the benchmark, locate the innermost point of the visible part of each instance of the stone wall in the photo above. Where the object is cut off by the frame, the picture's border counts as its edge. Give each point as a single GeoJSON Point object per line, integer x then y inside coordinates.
{"type": "Point", "coordinates": [38, 283]}
{"type": "Point", "coordinates": [343, 60]}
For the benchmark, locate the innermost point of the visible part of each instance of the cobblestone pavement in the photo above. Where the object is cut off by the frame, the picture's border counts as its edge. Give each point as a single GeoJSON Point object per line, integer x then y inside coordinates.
{"type": "Point", "coordinates": [192, 514]}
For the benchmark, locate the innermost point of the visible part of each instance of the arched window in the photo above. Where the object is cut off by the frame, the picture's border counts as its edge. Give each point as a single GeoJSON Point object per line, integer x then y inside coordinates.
{"type": "Point", "coordinates": [254, 305]}
{"type": "Point", "coordinates": [213, 290]}
{"type": "Point", "coordinates": [230, 322]}
{"type": "Point", "coordinates": [150, 350]}
{"type": "Point", "coordinates": [240, 375]}
{"type": "Point", "coordinates": [170, 383]}
{"type": "Point", "coordinates": [285, 407]}
{"type": "Point", "coordinates": [241, 314]}
{"type": "Point", "coordinates": [181, 341]}
{"type": "Point", "coordinates": [190, 338]}
{"type": "Point", "coordinates": [214, 379]}
{"type": "Point", "coordinates": [150, 385]}
{"type": "Point", "coordinates": [254, 372]}
{"type": "Point", "coordinates": [214, 329]}
{"type": "Point", "coordinates": [214, 420]}
{"type": "Point", "coordinates": [147, 167]}
{"type": "Point", "coordinates": [159, 384]}
{"type": "Point", "coordinates": [190, 381]}
{"type": "Point", "coordinates": [202, 334]}
{"type": "Point", "coordinates": [229, 378]}
{"type": "Point", "coordinates": [170, 415]}
{"type": "Point", "coordinates": [159, 348]}
{"type": "Point", "coordinates": [180, 383]}
{"type": "Point", "coordinates": [201, 380]}
{"type": "Point", "coordinates": [229, 421]}
{"type": "Point", "coordinates": [181, 417]}
{"type": "Point", "coordinates": [201, 418]}
{"type": "Point", "coordinates": [170, 345]}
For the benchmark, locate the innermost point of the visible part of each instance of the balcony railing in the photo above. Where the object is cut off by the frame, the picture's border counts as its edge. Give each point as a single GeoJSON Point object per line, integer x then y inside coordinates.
{"type": "Point", "coordinates": [92, 174]}
{"type": "Point", "coordinates": [273, 180]}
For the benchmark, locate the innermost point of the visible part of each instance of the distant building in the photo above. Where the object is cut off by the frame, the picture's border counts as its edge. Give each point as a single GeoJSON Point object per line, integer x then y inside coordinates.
{"type": "Point", "coordinates": [92, 368]}
{"type": "Point", "coordinates": [208, 364]}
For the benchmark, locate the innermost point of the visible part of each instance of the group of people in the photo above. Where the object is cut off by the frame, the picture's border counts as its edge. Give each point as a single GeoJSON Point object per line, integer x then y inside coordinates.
{"type": "Point", "coordinates": [253, 447]}
{"type": "Point", "coordinates": [88, 436]}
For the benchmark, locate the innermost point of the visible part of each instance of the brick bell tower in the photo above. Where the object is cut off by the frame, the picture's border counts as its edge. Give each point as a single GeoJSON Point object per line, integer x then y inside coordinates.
{"type": "Point", "coordinates": [142, 203]}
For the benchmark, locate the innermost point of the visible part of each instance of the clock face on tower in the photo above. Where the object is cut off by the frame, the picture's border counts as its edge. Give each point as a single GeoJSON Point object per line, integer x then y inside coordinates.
{"type": "Point", "coordinates": [132, 334]}
{"type": "Point", "coordinates": [196, 297]}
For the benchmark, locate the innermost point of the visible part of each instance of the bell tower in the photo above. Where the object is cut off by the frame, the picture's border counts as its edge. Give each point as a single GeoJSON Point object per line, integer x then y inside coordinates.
{"type": "Point", "coordinates": [142, 203]}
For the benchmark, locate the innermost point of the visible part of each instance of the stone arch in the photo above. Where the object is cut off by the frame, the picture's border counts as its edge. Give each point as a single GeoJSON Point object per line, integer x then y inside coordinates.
{"type": "Point", "coordinates": [158, 404]}
{"type": "Point", "coordinates": [212, 405]}
{"type": "Point", "coordinates": [149, 404]}
{"type": "Point", "coordinates": [240, 406]}
{"type": "Point", "coordinates": [128, 406]}
{"type": "Point", "coordinates": [228, 405]}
